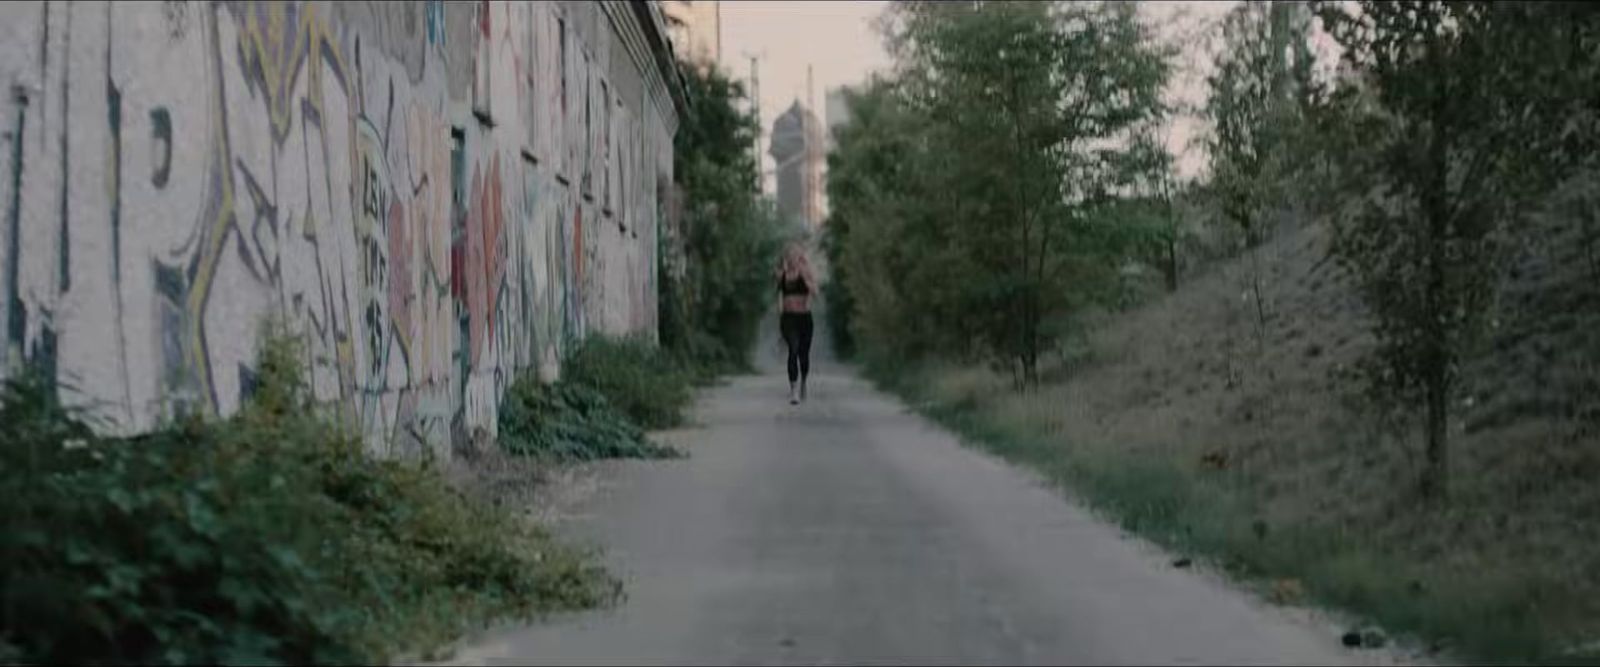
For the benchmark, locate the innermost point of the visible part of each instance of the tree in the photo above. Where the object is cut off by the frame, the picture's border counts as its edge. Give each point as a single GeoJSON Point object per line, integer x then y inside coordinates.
{"type": "Point", "coordinates": [730, 235]}
{"type": "Point", "coordinates": [863, 167]}
{"type": "Point", "coordinates": [1549, 56]}
{"type": "Point", "coordinates": [1038, 100]}
{"type": "Point", "coordinates": [1259, 92]}
{"type": "Point", "coordinates": [881, 172]}
{"type": "Point", "coordinates": [1155, 189]}
{"type": "Point", "coordinates": [1440, 148]}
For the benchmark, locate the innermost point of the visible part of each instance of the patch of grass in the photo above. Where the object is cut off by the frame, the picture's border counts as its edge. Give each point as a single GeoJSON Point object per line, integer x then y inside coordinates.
{"type": "Point", "coordinates": [1476, 608]}
{"type": "Point", "coordinates": [643, 381]}
{"type": "Point", "coordinates": [706, 358]}
{"type": "Point", "coordinates": [265, 538]}
{"type": "Point", "coordinates": [568, 421]}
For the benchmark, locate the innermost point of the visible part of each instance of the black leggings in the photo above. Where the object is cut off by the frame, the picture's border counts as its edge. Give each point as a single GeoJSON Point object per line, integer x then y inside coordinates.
{"type": "Point", "coordinates": [796, 329]}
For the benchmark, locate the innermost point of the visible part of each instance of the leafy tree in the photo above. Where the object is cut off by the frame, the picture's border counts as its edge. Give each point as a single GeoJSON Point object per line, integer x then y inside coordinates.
{"type": "Point", "coordinates": [1038, 100]}
{"type": "Point", "coordinates": [879, 175]}
{"type": "Point", "coordinates": [1259, 92]}
{"type": "Point", "coordinates": [876, 176]}
{"type": "Point", "coordinates": [1442, 143]}
{"type": "Point", "coordinates": [1155, 189]}
{"type": "Point", "coordinates": [730, 236]}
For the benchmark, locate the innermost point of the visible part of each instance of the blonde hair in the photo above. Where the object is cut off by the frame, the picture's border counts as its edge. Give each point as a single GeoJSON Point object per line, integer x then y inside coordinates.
{"type": "Point", "coordinates": [795, 259]}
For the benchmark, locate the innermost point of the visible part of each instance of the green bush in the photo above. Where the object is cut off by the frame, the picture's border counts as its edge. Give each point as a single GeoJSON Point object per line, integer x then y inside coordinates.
{"type": "Point", "coordinates": [268, 537]}
{"type": "Point", "coordinates": [569, 421]}
{"type": "Point", "coordinates": [640, 379]}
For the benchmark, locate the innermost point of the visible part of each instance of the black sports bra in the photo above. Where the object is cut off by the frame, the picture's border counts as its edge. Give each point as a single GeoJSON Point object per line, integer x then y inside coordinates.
{"type": "Point", "coordinates": [793, 287]}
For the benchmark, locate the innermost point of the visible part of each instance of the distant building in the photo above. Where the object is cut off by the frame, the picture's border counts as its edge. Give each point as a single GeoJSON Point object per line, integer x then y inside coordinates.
{"type": "Point", "coordinates": [836, 110]}
{"type": "Point", "coordinates": [797, 147]}
{"type": "Point", "coordinates": [696, 29]}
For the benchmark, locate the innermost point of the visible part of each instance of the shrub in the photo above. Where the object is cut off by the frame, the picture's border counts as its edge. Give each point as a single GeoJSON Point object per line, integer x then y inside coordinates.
{"type": "Point", "coordinates": [566, 421]}
{"type": "Point", "coordinates": [267, 537]}
{"type": "Point", "coordinates": [640, 379]}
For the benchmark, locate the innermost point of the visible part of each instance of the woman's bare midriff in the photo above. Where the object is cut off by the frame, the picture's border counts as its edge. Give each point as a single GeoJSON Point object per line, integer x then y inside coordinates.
{"type": "Point", "coordinates": [797, 303]}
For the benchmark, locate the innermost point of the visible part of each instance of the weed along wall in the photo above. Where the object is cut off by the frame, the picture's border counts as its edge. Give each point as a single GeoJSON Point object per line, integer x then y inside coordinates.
{"type": "Point", "coordinates": [435, 196]}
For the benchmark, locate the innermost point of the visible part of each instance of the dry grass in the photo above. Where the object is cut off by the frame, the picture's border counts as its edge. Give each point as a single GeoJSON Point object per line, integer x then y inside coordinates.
{"type": "Point", "coordinates": [1261, 451]}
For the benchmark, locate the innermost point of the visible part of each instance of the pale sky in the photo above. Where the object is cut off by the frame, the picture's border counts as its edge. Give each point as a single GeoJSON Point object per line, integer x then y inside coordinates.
{"type": "Point", "coordinates": [834, 37]}
{"type": "Point", "coordinates": [837, 40]}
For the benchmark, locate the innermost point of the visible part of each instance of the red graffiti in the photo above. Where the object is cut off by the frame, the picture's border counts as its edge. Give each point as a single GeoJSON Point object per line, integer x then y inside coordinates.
{"type": "Point", "coordinates": [577, 247]}
{"type": "Point", "coordinates": [401, 292]}
{"type": "Point", "coordinates": [478, 280]}
{"type": "Point", "coordinates": [494, 223]}
{"type": "Point", "coordinates": [472, 271]}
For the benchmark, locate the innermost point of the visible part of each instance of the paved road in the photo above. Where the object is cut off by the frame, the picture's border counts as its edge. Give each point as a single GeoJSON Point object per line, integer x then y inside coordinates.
{"type": "Point", "coordinates": [846, 530]}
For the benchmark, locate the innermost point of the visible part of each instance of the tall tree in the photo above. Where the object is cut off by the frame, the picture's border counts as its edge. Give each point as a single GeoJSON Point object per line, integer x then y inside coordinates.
{"type": "Point", "coordinates": [730, 236]}
{"type": "Point", "coordinates": [885, 211]}
{"type": "Point", "coordinates": [1038, 101]}
{"type": "Point", "coordinates": [866, 170]}
{"type": "Point", "coordinates": [1439, 143]}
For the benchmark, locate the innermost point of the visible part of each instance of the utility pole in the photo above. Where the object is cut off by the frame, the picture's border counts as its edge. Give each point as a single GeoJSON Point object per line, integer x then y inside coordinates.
{"type": "Point", "coordinates": [811, 134]}
{"type": "Point", "coordinates": [811, 97]}
{"type": "Point", "coordinates": [755, 111]}
{"type": "Point", "coordinates": [755, 104]}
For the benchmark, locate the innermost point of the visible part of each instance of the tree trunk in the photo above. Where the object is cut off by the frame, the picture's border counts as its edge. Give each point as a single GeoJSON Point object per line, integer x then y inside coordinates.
{"type": "Point", "coordinates": [1172, 237]}
{"type": "Point", "coordinates": [1436, 473]}
{"type": "Point", "coordinates": [1172, 263]}
{"type": "Point", "coordinates": [1437, 353]}
{"type": "Point", "coordinates": [1033, 358]}
{"type": "Point", "coordinates": [1030, 343]}
{"type": "Point", "coordinates": [1255, 291]}
{"type": "Point", "coordinates": [1586, 214]}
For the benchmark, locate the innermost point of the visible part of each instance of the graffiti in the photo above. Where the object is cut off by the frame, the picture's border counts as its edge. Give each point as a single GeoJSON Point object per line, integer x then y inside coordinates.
{"type": "Point", "coordinates": [16, 317]}
{"type": "Point", "coordinates": [542, 260]}
{"type": "Point", "coordinates": [274, 39]}
{"type": "Point", "coordinates": [294, 173]}
{"type": "Point", "coordinates": [427, 294]}
{"type": "Point", "coordinates": [177, 16]}
{"type": "Point", "coordinates": [433, 12]}
{"type": "Point", "coordinates": [64, 247]}
{"type": "Point", "coordinates": [193, 367]}
{"type": "Point", "coordinates": [161, 132]}
{"type": "Point", "coordinates": [479, 400]}
{"type": "Point", "coordinates": [114, 187]}
{"type": "Point", "coordinates": [172, 322]}
{"type": "Point", "coordinates": [114, 120]}
{"type": "Point", "coordinates": [486, 256]}
{"type": "Point", "coordinates": [372, 248]}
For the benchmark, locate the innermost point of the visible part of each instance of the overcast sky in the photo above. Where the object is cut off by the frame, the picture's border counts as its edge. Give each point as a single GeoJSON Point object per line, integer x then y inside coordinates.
{"type": "Point", "coordinates": [837, 40]}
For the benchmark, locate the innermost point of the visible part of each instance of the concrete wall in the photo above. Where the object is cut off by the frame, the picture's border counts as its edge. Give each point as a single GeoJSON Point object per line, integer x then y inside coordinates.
{"type": "Point", "coordinates": [406, 183]}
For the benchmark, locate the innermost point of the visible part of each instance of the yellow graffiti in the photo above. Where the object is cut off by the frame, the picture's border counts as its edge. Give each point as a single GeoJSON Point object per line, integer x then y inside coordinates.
{"type": "Point", "coordinates": [264, 46]}
{"type": "Point", "coordinates": [213, 239]}
{"type": "Point", "coordinates": [258, 43]}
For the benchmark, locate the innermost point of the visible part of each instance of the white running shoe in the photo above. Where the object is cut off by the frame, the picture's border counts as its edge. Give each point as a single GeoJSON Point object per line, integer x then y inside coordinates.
{"type": "Point", "coordinates": [794, 393]}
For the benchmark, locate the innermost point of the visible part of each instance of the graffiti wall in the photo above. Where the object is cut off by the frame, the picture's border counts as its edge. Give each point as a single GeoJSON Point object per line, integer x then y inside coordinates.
{"type": "Point", "coordinates": [436, 197]}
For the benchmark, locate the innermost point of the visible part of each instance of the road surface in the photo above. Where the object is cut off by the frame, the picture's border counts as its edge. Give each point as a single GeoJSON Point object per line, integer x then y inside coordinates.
{"type": "Point", "coordinates": [847, 530]}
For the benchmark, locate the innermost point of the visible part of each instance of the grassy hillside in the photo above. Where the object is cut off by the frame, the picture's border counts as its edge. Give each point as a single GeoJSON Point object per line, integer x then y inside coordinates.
{"type": "Point", "coordinates": [1253, 443]}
